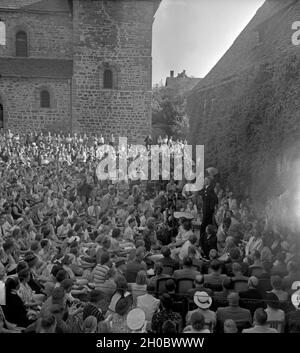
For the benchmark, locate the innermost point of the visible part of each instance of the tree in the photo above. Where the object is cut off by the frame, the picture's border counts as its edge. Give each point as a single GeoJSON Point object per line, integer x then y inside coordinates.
{"type": "Point", "coordinates": [169, 111]}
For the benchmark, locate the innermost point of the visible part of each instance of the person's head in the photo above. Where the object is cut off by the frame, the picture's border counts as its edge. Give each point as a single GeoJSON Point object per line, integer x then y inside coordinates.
{"type": "Point", "coordinates": [260, 317]}
{"type": "Point", "coordinates": [187, 262]}
{"type": "Point", "coordinates": [230, 326]}
{"type": "Point", "coordinates": [236, 268]}
{"type": "Point", "coordinates": [141, 278]}
{"type": "Point", "coordinates": [8, 246]}
{"type": "Point", "coordinates": [215, 266]}
{"type": "Point", "coordinates": [57, 310]}
{"type": "Point", "coordinates": [150, 288]}
{"type": "Point", "coordinates": [21, 266]}
{"type": "Point", "coordinates": [90, 324]}
{"type": "Point", "coordinates": [234, 254]}
{"type": "Point", "coordinates": [233, 299]}
{"type": "Point", "coordinates": [166, 301]}
{"type": "Point", "coordinates": [228, 284]}
{"type": "Point", "coordinates": [140, 254]}
{"type": "Point", "coordinates": [158, 268]}
{"type": "Point", "coordinates": [187, 225]}
{"type": "Point", "coordinates": [213, 254]}
{"type": "Point", "coordinates": [169, 327]}
{"type": "Point", "coordinates": [47, 324]}
{"type": "Point", "coordinates": [226, 223]}
{"type": "Point", "coordinates": [210, 229]}
{"type": "Point", "coordinates": [124, 305]}
{"type": "Point", "coordinates": [31, 260]}
{"type": "Point", "coordinates": [197, 321]}
{"type": "Point", "coordinates": [116, 233]}
{"type": "Point", "coordinates": [199, 280]}
{"type": "Point", "coordinates": [132, 222]}
{"type": "Point", "coordinates": [292, 267]}
{"type": "Point", "coordinates": [272, 301]}
{"type": "Point", "coordinates": [207, 181]}
{"type": "Point", "coordinates": [111, 190]}
{"type": "Point", "coordinates": [24, 275]}
{"type": "Point", "coordinates": [256, 255]}
{"type": "Point", "coordinates": [58, 295]}
{"type": "Point", "coordinates": [170, 285]}
{"type": "Point", "coordinates": [61, 275]}
{"type": "Point", "coordinates": [105, 258]}
{"type": "Point", "coordinates": [253, 282]}
{"type": "Point", "coordinates": [166, 252]}
{"type": "Point", "coordinates": [45, 244]}
{"type": "Point", "coordinates": [35, 247]}
{"type": "Point", "coordinates": [67, 285]}
{"type": "Point", "coordinates": [11, 284]}
{"type": "Point", "coordinates": [276, 282]}
{"type": "Point", "coordinates": [121, 284]}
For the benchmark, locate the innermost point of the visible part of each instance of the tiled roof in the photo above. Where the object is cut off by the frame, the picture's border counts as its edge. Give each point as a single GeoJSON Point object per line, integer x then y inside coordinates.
{"type": "Point", "coordinates": [36, 67]}
{"type": "Point", "coordinates": [16, 4]}
{"type": "Point", "coordinates": [49, 5]}
{"type": "Point", "coordinates": [37, 5]}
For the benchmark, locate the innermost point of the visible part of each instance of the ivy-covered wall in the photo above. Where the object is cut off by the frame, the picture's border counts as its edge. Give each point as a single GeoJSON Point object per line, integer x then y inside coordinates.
{"type": "Point", "coordinates": [246, 112]}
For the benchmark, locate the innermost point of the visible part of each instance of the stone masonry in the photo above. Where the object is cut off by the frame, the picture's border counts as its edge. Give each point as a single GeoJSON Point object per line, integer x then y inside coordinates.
{"type": "Point", "coordinates": [70, 45]}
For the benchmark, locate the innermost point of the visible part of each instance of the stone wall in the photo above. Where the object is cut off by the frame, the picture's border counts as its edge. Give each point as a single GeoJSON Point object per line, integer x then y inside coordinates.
{"type": "Point", "coordinates": [21, 102]}
{"type": "Point", "coordinates": [49, 34]}
{"type": "Point", "coordinates": [115, 35]}
{"type": "Point", "coordinates": [246, 111]}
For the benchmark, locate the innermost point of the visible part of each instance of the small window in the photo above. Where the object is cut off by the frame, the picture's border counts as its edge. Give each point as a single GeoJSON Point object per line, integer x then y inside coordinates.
{"type": "Point", "coordinates": [1, 116]}
{"type": "Point", "coordinates": [108, 79]}
{"type": "Point", "coordinates": [2, 33]}
{"type": "Point", "coordinates": [45, 99]}
{"type": "Point", "coordinates": [21, 44]}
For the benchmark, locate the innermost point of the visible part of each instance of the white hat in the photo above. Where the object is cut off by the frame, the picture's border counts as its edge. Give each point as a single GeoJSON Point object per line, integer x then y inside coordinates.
{"type": "Point", "coordinates": [295, 298]}
{"type": "Point", "coordinates": [296, 285]}
{"type": "Point", "coordinates": [136, 319]}
{"type": "Point", "coordinates": [202, 300]}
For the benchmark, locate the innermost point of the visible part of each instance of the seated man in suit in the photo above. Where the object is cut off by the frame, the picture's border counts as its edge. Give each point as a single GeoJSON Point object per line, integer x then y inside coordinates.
{"type": "Point", "coordinates": [214, 278]}
{"type": "Point", "coordinates": [233, 311]}
{"type": "Point", "coordinates": [187, 271]}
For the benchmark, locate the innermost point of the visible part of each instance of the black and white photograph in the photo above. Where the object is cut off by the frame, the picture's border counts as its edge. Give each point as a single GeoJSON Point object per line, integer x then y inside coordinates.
{"type": "Point", "coordinates": [149, 173]}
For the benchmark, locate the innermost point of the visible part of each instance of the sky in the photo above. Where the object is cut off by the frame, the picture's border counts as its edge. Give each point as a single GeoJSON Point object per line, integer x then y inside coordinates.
{"type": "Point", "coordinates": [194, 34]}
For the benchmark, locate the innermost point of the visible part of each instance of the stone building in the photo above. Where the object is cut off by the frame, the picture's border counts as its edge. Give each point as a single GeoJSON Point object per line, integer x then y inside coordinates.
{"type": "Point", "coordinates": [77, 65]}
{"type": "Point", "coordinates": [246, 110]}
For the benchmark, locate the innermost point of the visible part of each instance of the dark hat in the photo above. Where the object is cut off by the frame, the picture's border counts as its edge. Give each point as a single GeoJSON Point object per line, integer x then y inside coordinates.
{"type": "Point", "coordinates": [123, 305]}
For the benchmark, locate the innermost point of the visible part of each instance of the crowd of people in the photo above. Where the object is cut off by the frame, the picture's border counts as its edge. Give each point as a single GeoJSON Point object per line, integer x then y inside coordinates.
{"type": "Point", "coordinates": [83, 255]}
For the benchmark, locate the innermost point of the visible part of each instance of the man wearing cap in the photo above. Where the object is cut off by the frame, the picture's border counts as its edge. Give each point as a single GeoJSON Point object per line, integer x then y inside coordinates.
{"type": "Point", "coordinates": [203, 302]}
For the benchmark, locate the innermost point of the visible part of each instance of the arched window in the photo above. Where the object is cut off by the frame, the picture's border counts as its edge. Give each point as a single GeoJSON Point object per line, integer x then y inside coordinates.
{"type": "Point", "coordinates": [108, 79]}
{"type": "Point", "coordinates": [1, 115]}
{"type": "Point", "coordinates": [45, 99]}
{"type": "Point", "coordinates": [21, 44]}
{"type": "Point", "coordinates": [2, 33]}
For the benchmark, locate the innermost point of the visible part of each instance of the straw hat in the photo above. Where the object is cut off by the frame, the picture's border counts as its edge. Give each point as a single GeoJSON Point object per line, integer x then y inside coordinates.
{"type": "Point", "coordinates": [202, 300]}
{"type": "Point", "coordinates": [136, 319]}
